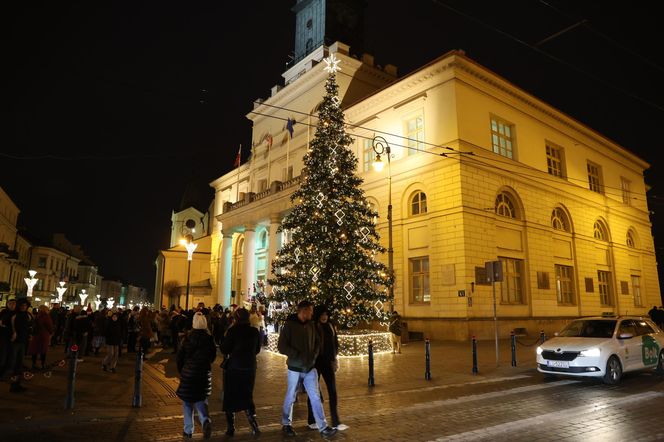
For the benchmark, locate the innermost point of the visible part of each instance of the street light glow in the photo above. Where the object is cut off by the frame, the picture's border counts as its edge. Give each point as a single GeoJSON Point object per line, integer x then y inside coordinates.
{"type": "Point", "coordinates": [378, 164]}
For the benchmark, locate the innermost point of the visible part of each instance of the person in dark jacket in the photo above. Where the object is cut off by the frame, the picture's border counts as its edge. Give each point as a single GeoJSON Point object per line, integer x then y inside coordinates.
{"type": "Point", "coordinates": [20, 325]}
{"type": "Point", "coordinates": [326, 365]}
{"type": "Point", "coordinates": [113, 339]}
{"type": "Point", "coordinates": [395, 332]}
{"type": "Point", "coordinates": [194, 361]}
{"type": "Point", "coordinates": [6, 334]}
{"type": "Point", "coordinates": [300, 342]}
{"type": "Point", "coordinates": [240, 346]}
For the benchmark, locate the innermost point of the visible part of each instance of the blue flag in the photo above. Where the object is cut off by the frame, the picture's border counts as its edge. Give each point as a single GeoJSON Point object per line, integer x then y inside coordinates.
{"type": "Point", "coordinates": [289, 126]}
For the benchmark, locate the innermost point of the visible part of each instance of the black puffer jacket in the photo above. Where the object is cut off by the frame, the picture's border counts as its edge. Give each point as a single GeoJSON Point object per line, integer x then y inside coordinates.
{"type": "Point", "coordinates": [194, 361]}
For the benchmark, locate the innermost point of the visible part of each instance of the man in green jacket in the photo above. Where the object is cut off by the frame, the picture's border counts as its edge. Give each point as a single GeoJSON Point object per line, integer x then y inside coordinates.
{"type": "Point", "coordinates": [300, 342]}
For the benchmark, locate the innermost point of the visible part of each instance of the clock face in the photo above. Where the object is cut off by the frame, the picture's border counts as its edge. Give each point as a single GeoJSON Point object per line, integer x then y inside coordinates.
{"type": "Point", "coordinates": [188, 227]}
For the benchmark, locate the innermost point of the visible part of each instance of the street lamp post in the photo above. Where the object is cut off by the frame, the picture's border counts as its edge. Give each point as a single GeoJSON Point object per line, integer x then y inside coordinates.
{"type": "Point", "coordinates": [83, 295]}
{"type": "Point", "coordinates": [381, 147]}
{"type": "Point", "coordinates": [190, 245]}
{"type": "Point", "coordinates": [61, 291]}
{"type": "Point", "coordinates": [98, 302]}
{"type": "Point", "coordinates": [30, 282]}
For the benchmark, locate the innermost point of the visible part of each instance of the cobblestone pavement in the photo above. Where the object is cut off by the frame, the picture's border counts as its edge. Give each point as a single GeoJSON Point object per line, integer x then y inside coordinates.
{"type": "Point", "coordinates": [500, 403]}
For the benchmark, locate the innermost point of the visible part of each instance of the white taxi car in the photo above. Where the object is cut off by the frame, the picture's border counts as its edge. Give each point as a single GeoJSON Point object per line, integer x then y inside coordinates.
{"type": "Point", "coordinates": [603, 347]}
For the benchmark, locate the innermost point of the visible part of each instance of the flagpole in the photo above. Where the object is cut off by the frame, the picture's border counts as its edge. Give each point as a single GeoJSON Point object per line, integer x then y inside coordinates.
{"type": "Point", "coordinates": [287, 156]}
{"type": "Point", "coordinates": [237, 186]}
{"type": "Point", "coordinates": [269, 163]}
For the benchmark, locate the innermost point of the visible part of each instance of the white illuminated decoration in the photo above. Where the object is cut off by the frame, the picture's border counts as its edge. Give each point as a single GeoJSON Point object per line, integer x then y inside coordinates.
{"type": "Point", "coordinates": [332, 63]}
{"type": "Point", "coordinates": [349, 287]}
{"type": "Point", "coordinates": [97, 302]}
{"type": "Point", "coordinates": [83, 295]}
{"type": "Point", "coordinates": [190, 246]}
{"type": "Point", "coordinates": [365, 233]}
{"type": "Point", "coordinates": [315, 271]}
{"type": "Point", "coordinates": [340, 214]}
{"type": "Point", "coordinates": [110, 302]}
{"type": "Point", "coordinates": [297, 252]}
{"type": "Point", "coordinates": [320, 198]}
{"type": "Point", "coordinates": [352, 343]}
{"type": "Point", "coordinates": [336, 101]}
{"type": "Point", "coordinates": [31, 281]}
{"type": "Point", "coordinates": [61, 290]}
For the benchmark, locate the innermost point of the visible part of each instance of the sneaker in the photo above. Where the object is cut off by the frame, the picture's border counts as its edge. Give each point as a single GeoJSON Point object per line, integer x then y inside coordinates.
{"type": "Point", "coordinates": [207, 429]}
{"type": "Point", "coordinates": [288, 431]}
{"type": "Point", "coordinates": [328, 432]}
{"type": "Point", "coordinates": [186, 435]}
{"type": "Point", "coordinates": [341, 427]}
{"type": "Point", "coordinates": [313, 426]}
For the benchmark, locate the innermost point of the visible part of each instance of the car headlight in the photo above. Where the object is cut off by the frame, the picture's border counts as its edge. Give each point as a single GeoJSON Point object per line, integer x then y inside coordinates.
{"type": "Point", "coordinates": [590, 353]}
{"type": "Point", "coordinates": [539, 350]}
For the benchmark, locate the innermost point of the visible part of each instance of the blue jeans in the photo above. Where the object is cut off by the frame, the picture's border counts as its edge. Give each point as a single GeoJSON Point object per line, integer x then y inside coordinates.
{"type": "Point", "coordinates": [201, 408]}
{"type": "Point", "coordinates": [310, 382]}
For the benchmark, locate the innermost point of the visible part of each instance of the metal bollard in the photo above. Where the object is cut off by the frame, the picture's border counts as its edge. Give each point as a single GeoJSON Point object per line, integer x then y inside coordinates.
{"type": "Point", "coordinates": [371, 364]}
{"type": "Point", "coordinates": [542, 337]}
{"type": "Point", "coordinates": [513, 337]}
{"type": "Point", "coordinates": [427, 358]}
{"type": "Point", "coordinates": [71, 377]}
{"type": "Point", "coordinates": [474, 355]}
{"type": "Point", "coordinates": [138, 375]}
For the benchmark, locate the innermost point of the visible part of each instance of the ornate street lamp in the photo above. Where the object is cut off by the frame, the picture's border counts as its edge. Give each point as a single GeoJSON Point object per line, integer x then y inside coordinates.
{"type": "Point", "coordinates": [31, 281]}
{"type": "Point", "coordinates": [61, 291]}
{"type": "Point", "coordinates": [190, 245]}
{"type": "Point", "coordinates": [381, 147]}
{"type": "Point", "coordinates": [83, 295]}
{"type": "Point", "coordinates": [110, 302]}
{"type": "Point", "coordinates": [97, 302]}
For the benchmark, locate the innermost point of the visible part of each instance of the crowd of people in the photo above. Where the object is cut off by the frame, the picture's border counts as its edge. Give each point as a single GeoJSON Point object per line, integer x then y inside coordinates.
{"type": "Point", "coordinates": [307, 338]}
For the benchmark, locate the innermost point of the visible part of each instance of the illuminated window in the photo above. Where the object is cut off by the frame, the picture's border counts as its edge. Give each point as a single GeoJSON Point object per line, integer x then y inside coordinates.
{"type": "Point", "coordinates": [414, 133]}
{"type": "Point", "coordinates": [511, 289]}
{"type": "Point", "coordinates": [368, 154]}
{"type": "Point", "coordinates": [631, 243]}
{"type": "Point", "coordinates": [505, 206]}
{"type": "Point", "coordinates": [565, 284]}
{"type": "Point", "coordinates": [262, 240]}
{"type": "Point", "coordinates": [604, 286]}
{"type": "Point", "coordinates": [559, 220]}
{"type": "Point", "coordinates": [502, 138]}
{"type": "Point", "coordinates": [594, 177]}
{"type": "Point", "coordinates": [600, 232]}
{"type": "Point", "coordinates": [554, 160]}
{"type": "Point", "coordinates": [418, 272]}
{"type": "Point", "coordinates": [418, 203]}
{"type": "Point", "coordinates": [626, 193]}
{"type": "Point", "coordinates": [636, 290]}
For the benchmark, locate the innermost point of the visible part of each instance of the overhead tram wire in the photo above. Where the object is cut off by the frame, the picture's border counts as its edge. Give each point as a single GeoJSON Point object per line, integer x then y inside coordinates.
{"type": "Point", "coordinates": [552, 57]}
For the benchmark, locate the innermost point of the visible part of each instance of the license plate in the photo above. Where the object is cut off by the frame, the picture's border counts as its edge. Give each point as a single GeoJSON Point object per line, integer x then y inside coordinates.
{"type": "Point", "coordinates": [558, 364]}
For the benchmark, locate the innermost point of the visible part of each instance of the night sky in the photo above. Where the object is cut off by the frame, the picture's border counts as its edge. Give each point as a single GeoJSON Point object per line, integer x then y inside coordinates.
{"type": "Point", "coordinates": [115, 106]}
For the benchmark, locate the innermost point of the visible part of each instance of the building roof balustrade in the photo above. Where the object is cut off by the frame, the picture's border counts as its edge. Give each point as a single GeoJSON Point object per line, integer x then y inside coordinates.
{"type": "Point", "coordinates": [276, 187]}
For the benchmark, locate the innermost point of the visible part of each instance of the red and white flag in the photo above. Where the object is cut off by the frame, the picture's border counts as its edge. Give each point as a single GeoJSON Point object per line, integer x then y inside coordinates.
{"type": "Point", "coordinates": [238, 157]}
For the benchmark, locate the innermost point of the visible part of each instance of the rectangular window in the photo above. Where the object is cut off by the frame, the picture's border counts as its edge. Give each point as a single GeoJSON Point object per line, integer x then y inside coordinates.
{"type": "Point", "coordinates": [604, 288]}
{"type": "Point", "coordinates": [594, 177]}
{"type": "Point", "coordinates": [511, 289]}
{"type": "Point", "coordinates": [502, 138]}
{"type": "Point", "coordinates": [626, 194]}
{"type": "Point", "coordinates": [418, 269]}
{"type": "Point", "coordinates": [262, 185]}
{"type": "Point", "coordinates": [636, 290]}
{"type": "Point", "coordinates": [287, 174]}
{"type": "Point", "coordinates": [41, 263]}
{"type": "Point", "coordinates": [565, 284]}
{"type": "Point", "coordinates": [554, 160]}
{"type": "Point", "coordinates": [368, 155]}
{"type": "Point", "coordinates": [414, 133]}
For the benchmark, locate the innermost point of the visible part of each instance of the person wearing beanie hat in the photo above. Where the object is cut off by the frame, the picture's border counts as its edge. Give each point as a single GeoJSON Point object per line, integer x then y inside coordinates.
{"type": "Point", "coordinates": [194, 363]}
{"type": "Point", "coordinates": [199, 322]}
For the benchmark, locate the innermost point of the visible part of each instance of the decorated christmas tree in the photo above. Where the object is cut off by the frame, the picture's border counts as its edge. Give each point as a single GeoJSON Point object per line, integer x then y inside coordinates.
{"type": "Point", "coordinates": [331, 257]}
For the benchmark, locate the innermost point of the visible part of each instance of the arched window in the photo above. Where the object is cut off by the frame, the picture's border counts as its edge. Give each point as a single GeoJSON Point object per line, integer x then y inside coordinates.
{"type": "Point", "coordinates": [240, 247]}
{"type": "Point", "coordinates": [262, 240]}
{"type": "Point", "coordinates": [631, 239]}
{"type": "Point", "coordinates": [559, 220]}
{"type": "Point", "coordinates": [505, 205]}
{"type": "Point", "coordinates": [600, 232]}
{"type": "Point", "coordinates": [418, 203]}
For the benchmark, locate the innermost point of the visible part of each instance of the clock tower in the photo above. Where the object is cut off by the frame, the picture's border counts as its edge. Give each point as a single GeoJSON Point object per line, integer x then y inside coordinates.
{"type": "Point", "coordinates": [323, 22]}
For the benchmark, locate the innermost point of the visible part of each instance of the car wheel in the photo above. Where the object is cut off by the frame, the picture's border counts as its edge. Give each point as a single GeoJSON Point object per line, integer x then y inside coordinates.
{"type": "Point", "coordinates": [613, 371]}
{"type": "Point", "coordinates": [660, 363]}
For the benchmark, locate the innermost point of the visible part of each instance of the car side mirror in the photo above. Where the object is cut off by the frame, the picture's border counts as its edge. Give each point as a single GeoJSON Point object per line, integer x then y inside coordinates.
{"type": "Point", "coordinates": [625, 336]}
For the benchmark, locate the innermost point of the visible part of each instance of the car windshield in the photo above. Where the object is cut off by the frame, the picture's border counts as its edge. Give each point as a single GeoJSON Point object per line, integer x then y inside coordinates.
{"type": "Point", "coordinates": [589, 328]}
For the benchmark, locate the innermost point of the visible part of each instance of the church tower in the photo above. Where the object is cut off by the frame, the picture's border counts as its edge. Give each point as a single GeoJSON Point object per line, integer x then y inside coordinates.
{"type": "Point", "coordinates": [322, 22]}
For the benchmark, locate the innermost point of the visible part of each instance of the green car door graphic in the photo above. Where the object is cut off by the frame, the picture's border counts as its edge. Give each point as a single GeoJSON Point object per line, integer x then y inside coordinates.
{"type": "Point", "coordinates": [649, 350]}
